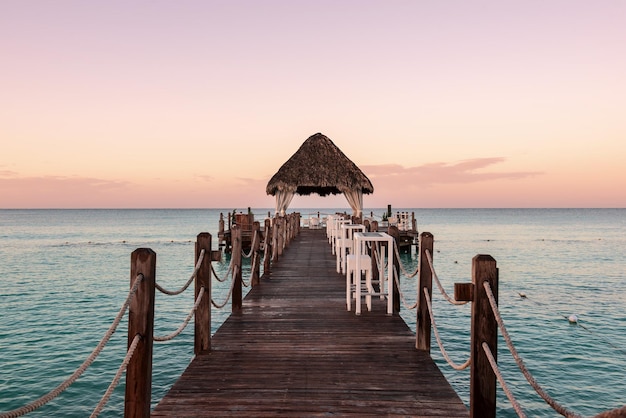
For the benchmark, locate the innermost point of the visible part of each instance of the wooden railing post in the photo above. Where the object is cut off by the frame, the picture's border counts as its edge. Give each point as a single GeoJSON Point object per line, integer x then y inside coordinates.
{"type": "Point", "coordinates": [280, 232]}
{"type": "Point", "coordinates": [267, 243]}
{"type": "Point", "coordinates": [395, 233]}
{"type": "Point", "coordinates": [238, 278]}
{"type": "Point", "coordinates": [425, 280]}
{"type": "Point", "coordinates": [287, 220]}
{"type": "Point", "coordinates": [484, 329]}
{"type": "Point", "coordinates": [275, 235]}
{"type": "Point", "coordinates": [140, 321]}
{"type": "Point", "coordinates": [255, 258]}
{"type": "Point", "coordinates": [297, 223]}
{"type": "Point", "coordinates": [202, 321]}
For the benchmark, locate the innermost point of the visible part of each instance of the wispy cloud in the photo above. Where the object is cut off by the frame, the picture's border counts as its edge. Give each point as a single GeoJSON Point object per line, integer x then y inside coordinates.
{"type": "Point", "coordinates": [466, 171]}
{"type": "Point", "coordinates": [12, 180]}
{"type": "Point", "coordinates": [204, 177]}
{"type": "Point", "coordinates": [57, 191]}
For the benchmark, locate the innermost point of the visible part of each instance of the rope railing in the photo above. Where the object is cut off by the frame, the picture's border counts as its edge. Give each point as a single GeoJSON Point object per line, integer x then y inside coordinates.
{"type": "Point", "coordinates": [228, 272]}
{"type": "Point", "coordinates": [186, 285]}
{"type": "Point", "coordinates": [494, 366]}
{"type": "Point", "coordinates": [230, 292]}
{"type": "Point", "coordinates": [201, 273]}
{"type": "Point", "coordinates": [245, 283]}
{"type": "Point", "coordinates": [438, 338]}
{"type": "Point", "coordinates": [520, 363]}
{"type": "Point", "coordinates": [451, 300]}
{"type": "Point", "coordinates": [255, 237]}
{"type": "Point", "coordinates": [185, 322]}
{"type": "Point", "coordinates": [81, 369]}
{"type": "Point", "coordinates": [406, 273]}
{"type": "Point", "coordinates": [117, 377]}
{"type": "Point", "coordinates": [402, 297]}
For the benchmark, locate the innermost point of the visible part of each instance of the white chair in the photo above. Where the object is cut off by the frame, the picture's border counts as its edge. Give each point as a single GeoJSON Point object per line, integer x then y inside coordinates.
{"type": "Point", "coordinates": [329, 226]}
{"type": "Point", "coordinates": [353, 278]}
{"type": "Point", "coordinates": [336, 233]}
{"type": "Point", "coordinates": [344, 243]}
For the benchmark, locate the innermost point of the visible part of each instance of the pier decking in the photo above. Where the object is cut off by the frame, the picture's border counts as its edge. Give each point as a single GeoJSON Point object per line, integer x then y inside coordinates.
{"type": "Point", "coordinates": [294, 350]}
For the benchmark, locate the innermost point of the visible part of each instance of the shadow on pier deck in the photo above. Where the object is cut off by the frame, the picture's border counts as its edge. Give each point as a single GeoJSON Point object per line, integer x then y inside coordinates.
{"type": "Point", "coordinates": [294, 350]}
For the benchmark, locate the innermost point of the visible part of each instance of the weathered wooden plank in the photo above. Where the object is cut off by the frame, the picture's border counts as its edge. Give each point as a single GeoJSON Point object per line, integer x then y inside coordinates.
{"type": "Point", "coordinates": [294, 350]}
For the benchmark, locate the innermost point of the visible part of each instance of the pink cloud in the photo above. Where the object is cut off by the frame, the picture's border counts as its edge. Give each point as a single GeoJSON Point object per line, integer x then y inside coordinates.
{"type": "Point", "coordinates": [426, 175]}
{"type": "Point", "coordinates": [56, 191]}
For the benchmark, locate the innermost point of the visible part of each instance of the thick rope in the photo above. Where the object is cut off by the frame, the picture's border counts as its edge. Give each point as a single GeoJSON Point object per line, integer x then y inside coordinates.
{"type": "Point", "coordinates": [185, 322]}
{"type": "Point", "coordinates": [244, 283]}
{"type": "Point", "coordinates": [395, 277]}
{"type": "Point", "coordinates": [68, 382]}
{"type": "Point", "coordinates": [406, 273]}
{"type": "Point", "coordinates": [266, 245]}
{"type": "Point", "coordinates": [505, 387]}
{"type": "Point", "coordinates": [441, 289]}
{"type": "Point", "coordinates": [186, 285]}
{"type": "Point", "coordinates": [439, 343]}
{"type": "Point", "coordinates": [520, 363]}
{"type": "Point", "coordinates": [230, 291]}
{"type": "Point", "coordinates": [118, 376]}
{"type": "Point", "coordinates": [254, 239]}
{"type": "Point", "coordinates": [223, 279]}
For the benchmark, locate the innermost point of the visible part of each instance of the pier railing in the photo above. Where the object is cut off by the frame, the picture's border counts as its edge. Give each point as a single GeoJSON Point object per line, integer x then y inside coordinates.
{"type": "Point", "coordinates": [268, 245]}
{"type": "Point", "coordinates": [486, 321]}
{"type": "Point", "coordinates": [276, 235]}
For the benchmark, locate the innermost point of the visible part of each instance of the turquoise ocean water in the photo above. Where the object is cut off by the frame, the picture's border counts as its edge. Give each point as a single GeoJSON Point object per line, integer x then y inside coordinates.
{"type": "Point", "coordinates": [65, 273]}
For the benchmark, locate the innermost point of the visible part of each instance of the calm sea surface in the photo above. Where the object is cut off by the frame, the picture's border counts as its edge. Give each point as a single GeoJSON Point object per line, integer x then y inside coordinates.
{"type": "Point", "coordinates": [65, 273]}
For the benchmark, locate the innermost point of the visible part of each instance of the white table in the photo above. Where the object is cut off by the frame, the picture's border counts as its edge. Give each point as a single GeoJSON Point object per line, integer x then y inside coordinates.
{"type": "Point", "coordinates": [360, 241]}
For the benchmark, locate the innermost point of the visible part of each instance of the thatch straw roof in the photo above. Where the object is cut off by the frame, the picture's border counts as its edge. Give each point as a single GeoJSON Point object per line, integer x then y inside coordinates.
{"type": "Point", "coordinates": [319, 167]}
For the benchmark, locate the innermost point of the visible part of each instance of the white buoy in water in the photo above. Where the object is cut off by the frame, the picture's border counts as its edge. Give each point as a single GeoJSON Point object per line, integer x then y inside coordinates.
{"type": "Point", "coordinates": [573, 319]}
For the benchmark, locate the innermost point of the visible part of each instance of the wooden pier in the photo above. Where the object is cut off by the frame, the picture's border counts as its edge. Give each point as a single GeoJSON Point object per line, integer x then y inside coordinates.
{"type": "Point", "coordinates": [293, 350]}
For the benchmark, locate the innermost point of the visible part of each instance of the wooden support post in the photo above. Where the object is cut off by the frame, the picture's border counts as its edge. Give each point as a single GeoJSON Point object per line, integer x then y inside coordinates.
{"type": "Point", "coordinates": [425, 280]}
{"type": "Point", "coordinates": [267, 244]}
{"type": "Point", "coordinates": [297, 224]}
{"type": "Point", "coordinates": [140, 321]}
{"type": "Point", "coordinates": [395, 233]}
{"type": "Point", "coordinates": [237, 265]}
{"type": "Point", "coordinates": [280, 231]}
{"type": "Point", "coordinates": [287, 219]}
{"type": "Point", "coordinates": [484, 329]}
{"type": "Point", "coordinates": [275, 233]}
{"type": "Point", "coordinates": [256, 257]}
{"type": "Point", "coordinates": [202, 321]}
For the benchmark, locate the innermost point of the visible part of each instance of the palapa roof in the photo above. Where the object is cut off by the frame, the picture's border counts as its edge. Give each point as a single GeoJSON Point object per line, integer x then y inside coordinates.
{"type": "Point", "coordinates": [319, 167]}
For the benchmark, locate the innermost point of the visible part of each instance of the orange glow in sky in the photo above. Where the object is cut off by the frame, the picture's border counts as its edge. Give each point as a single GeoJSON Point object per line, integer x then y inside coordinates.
{"type": "Point", "coordinates": [150, 104]}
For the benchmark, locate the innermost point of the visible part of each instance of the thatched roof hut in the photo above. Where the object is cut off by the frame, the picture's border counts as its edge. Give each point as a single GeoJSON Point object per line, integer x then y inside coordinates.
{"type": "Point", "coordinates": [319, 167]}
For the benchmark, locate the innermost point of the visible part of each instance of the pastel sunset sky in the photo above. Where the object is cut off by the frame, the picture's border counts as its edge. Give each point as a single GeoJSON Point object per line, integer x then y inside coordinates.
{"type": "Point", "coordinates": [196, 104]}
